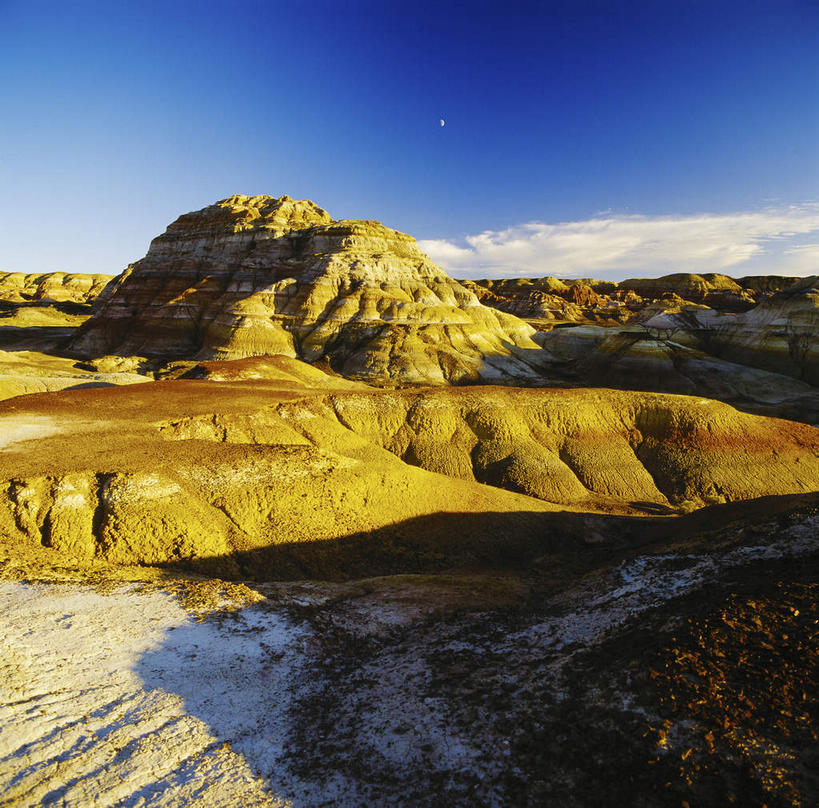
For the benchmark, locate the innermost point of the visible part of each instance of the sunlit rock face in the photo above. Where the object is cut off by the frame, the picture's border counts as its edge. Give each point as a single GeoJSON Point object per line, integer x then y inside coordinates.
{"type": "Point", "coordinates": [541, 298]}
{"type": "Point", "coordinates": [18, 287]}
{"type": "Point", "coordinates": [262, 275]}
{"type": "Point", "coordinates": [715, 290]}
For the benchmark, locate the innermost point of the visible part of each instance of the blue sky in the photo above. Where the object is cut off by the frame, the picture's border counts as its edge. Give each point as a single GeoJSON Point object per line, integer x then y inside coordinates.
{"type": "Point", "coordinates": [581, 138]}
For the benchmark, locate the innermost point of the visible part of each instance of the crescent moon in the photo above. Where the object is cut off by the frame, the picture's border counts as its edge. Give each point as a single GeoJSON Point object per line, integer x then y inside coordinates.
{"type": "Point", "coordinates": [442, 122]}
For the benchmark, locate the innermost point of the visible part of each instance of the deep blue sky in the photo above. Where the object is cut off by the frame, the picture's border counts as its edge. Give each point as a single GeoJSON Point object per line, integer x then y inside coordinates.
{"type": "Point", "coordinates": [118, 116]}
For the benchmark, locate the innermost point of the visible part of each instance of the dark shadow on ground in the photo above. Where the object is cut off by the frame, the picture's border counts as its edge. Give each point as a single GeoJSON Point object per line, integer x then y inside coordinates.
{"type": "Point", "coordinates": [516, 542]}
{"type": "Point", "coordinates": [46, 339]}
{"type": "Point", "coordinates": [62, 306]}
{"type": "Point", "coordinates": [467, 708]}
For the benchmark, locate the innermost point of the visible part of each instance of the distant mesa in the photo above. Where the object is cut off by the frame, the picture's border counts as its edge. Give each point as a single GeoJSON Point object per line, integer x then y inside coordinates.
{"type": "Point", "coordinates": [254, 275]}
{"type": "Point", "coordinates": [59, 287]}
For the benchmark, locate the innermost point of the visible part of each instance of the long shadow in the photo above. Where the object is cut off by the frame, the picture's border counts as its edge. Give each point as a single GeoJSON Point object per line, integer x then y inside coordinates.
{"type": "Point", "coordinates": [517, 542]}
{"type": "Point", "coordinates": [292, 691]}
{"type": "Point", "coordinates": [46, 339]}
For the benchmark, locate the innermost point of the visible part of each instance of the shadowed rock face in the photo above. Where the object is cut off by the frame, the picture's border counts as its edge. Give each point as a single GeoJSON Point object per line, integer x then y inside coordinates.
{"type": "Point", "coordinates": [777, 335]}
{"type": "Point", "coordinates": [259, 275]}
{"type": "Point", "coordinates": [780, 334]}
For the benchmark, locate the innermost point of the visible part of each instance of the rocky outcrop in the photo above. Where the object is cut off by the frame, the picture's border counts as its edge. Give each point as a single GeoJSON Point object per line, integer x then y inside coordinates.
{"type": "Point", "coordinates": [767, 284]}
{"type": "Point", "coordinates": [525, 302]}
{"type": "Point", "coordinates": [549, 299]}
{"type": "Point", "coordinates": [604, 302]}
{"type": "Point", "coordinates": [714, 290]}
{"type": "Point", "coordinates": [260, 275]}
{"type": "Point", "coordinates": [778, 335]}
{"type": "Point", "coordinates": [18, 287]}
{"type": "Point", "coordinates": [666, 354]}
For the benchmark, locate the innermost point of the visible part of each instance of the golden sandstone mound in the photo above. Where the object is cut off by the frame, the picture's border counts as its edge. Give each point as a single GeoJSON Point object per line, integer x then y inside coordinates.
{"type": "Point", "coordinates": [23, 372]}
{"type": "Point", "coordinates": [38, 313]}
{"type": "Point", "coordinates": [116, 475]}
{"type": "Point", "coordinates": [51, 300]}
{"type": "Point", "coordinates": [260, 275]}
{"type": "Point", "coordinates": [55, 286]}
{"type": "Point", "coordinates": [272, 480]}
{"type": "Point", "coordinates": [282, 369]}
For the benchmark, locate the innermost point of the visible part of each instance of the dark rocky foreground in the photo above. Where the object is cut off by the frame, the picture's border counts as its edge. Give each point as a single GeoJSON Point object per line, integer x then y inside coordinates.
{"type": "Point", "coordinates": [608, 675]}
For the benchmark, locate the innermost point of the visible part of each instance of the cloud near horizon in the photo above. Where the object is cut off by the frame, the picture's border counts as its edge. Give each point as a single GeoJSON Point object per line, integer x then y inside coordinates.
{"type": "Point", "coordinates": [616, 247]}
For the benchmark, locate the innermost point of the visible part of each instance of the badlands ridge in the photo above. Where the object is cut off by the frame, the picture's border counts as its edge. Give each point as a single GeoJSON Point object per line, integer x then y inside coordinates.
{"type": "Point", "coordinates": [241, 444]}
{"type": "Point", "coordinates": [290, 517]}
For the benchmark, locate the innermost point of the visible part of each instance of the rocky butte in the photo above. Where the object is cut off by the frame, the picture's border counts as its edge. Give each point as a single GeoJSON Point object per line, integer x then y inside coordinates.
{"type": "Point", "coordinates": [254, 275]}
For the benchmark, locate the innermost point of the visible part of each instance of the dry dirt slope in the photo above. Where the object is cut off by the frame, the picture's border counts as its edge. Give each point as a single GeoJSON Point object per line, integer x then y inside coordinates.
{"type": "Point", "coordinates": [271, 479]}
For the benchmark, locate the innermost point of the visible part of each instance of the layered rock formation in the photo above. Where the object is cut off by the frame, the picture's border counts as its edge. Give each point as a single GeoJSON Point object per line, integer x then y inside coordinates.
{"type": "Point", "coordinates": [664, 357]}
{"type": "Point", "coordinates": [743, 341]}
{"type": "Point", "coordinates": [17, 287]}
{"type": "Point", "coordinates": [715, 290]}
{"type": "Point", "coordinates": [260, 275]}
{"type": "Point", "coordinates": [606, 303]}
{"type": "Point", "coordinates": [781, 334]}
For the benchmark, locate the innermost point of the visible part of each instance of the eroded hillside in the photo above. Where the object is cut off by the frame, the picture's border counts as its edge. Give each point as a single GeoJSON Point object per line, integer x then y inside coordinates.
{"type": "Point", "coordinates": [282, 478]}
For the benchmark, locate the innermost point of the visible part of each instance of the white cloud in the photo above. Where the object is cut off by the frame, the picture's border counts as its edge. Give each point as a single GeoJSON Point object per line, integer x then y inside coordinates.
{"type": "Point", "coordinates": [619, 246]}
{"type": "Point", "coordinates": [800, 259]}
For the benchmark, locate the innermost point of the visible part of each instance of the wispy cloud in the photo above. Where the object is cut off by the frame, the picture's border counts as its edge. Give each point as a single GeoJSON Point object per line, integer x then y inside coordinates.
{"type": "Point", "coordinates": [618, 246]}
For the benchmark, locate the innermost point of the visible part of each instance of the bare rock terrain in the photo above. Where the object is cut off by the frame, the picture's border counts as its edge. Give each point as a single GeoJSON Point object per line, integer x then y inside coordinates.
{"type": "Point", "coordinates": [312, 557]}
{"type": "Point", "coordinates": [750, 342]}
{"type": "Point", "coordinates": [262, 479]}
{"type": "Point", "coordinates": [17, 287]}
{"type": "Point", "coordinates": [260, 275]}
